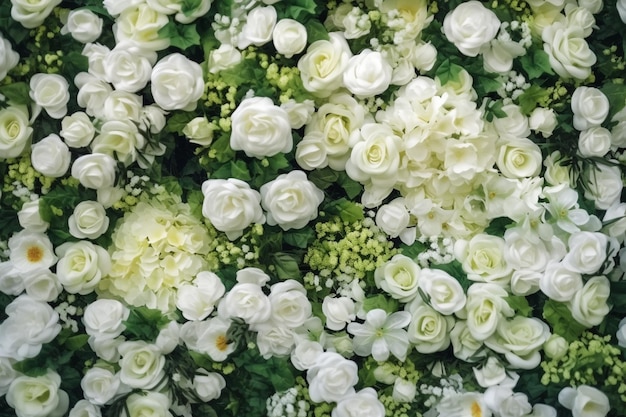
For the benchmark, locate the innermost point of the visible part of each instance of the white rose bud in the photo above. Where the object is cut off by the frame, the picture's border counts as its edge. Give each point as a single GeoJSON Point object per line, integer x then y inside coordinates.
{"type": "Point", "coordinates": [555, 347]}
{"type": "Point", "coordinates": [89, 220]}
{"type": "Point", "coordinates": [208, 385]}
{"type": "Point", "coordinates": [470, 26]}
{"type": "Point", "coordinates": [590, 107]}
{"type": "Point", "coordinates": [299, 113]}
{"type": "Point", "coordinates": [258, 27]}
{"type": "Point", "coordinates": [81, 266]}
{"type": "Point", "coordinates": [95, 170]}
{"type": "Point", "coordinates": [15, 131]}
{"type": "Point", "coordinates": [50, 156]}
{"type": "Point", "coordinates": [8, 57]}
{"type": "Point", "coordinates": [289, 37]}
{"type": "Point", "coordinates": [589, 305]}
{"type": "Point", "coordinates": [519, 158]}
{"type": "Point", "coordinates": [92, 93]}
{"type": "Point", "coordinates": [338, 312]}
{"type": "Point", "coordinates": [29, 217]}
{"type": "Point", "coordinates": [604, 186]}
{"type": "Point", "coordinates": [260, 128]}
{"type": "Point", "coordinates": [585, 401]}
{"type": "Point", "coordinates": [50, 91]}
{"type": "Point", "coordinates": [322, 67]}
{"type": "Point", "coordinates": [224, 57]}
{"type": "Point", "coordinates": [393, 218]}
{"type": "Point", "coordinates": [231, 206]}
{"type": "Point", "coordinates": [367, 74]}
{"type": "Point", "coordinates": [199, 131]}
{"type": "Point", "coordinates": [147, 404]}
{"type": "Point", "coordinates": [291, 200]}
{"type": "Point", "coordinates": [621, 9]}
{"type": "Point", "coordinates": [100, 385]}
{"type": "Point", "coordinates": [595, 141]}
{"type": "Point", "coordinates": [404, 391]}
{"type": "Point", "coordinates": [77, 130]}
{"type": "Point", "coordinates": [177, 83]}
{"type": "Point", "coordinates": [84, 25]}
{"type": "Point", "coordinates": [587, 252]}
{"type": "Point", "coordinates": [42, 285]}
{"type": "Point", "coordinates": [424, 56]}
{"type": "Point", "coordinates": [543, 121]}
{"type": "Point", "coordinates": [311, 151]}
{"type": "Point", "coordinates": [83, 408]}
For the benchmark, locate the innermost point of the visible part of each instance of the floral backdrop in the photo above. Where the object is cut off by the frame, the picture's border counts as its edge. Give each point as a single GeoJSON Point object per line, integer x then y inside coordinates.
{"type": "Point", "coordinates": [312, 208]}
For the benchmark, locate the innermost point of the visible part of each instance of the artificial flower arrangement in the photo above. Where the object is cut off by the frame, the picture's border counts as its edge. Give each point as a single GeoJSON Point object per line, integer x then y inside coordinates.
{"type": "Point", "coordinates": [309, 208]}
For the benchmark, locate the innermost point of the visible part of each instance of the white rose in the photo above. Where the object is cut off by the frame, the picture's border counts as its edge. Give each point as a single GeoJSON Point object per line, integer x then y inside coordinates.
{"type": "Point", "coordinates": [15, 131]}
{"type": "Point", "coordinates": [445, 293]}
{"type": "Point", "coordinates": [84, 25]}
{"type": "Point", "coordinates": [590, 107]}
{"type": "Point", "coordinates": [585, 401]}
{"type": "Point", "coordinates": [595, 141]}
{"type": "Point", "coordinates": [520, 340]}
{"type": "Point", "coordinates": [7, 374]}
{"type": "Point", "coordinates": [147, 404]}
{"type": "Point", "coordinates": [77, 130]}
{"type": "Point", "coordinates": [490, 373]}
{"type": "Point", "coordinates": [142, 365]}
{"type": "Point", "coordinates": [11, 280]}
{"type": "Point", "coordinates": [587, 252]}
{"type": "Point", "coordinates": [322, 67]}
{"type": "Point", "coordinates": [208, 385]}
{"type": "Point", "coordinates": [367, 74]}
{"type": "Point", "coordinates": [289, 37]}
{"type": "Point", "coordinates": [311, 152]}
{"type": "Point", "coordinates": [104, 318]}
{"type": "Point", "coordinates": [106, 349]}
{"type": "Point", "coordinates": [559, 282]}
{"type": "Point", "coordinates": [506, 403]}
{"type": "Point", "coordinates": [128, 68]}
{"type": "Point", "coordinates": [140, 24]}
{"type": "Point", "coordinates": [486, 306]}
{"type": "Point", "coordinates": [81, 266]}
{"type": "Point", "coordinates": [290, 305]}
{"type": "Point", "coordinates": [542, 120]}
{"type": "Point", "coordinates": [424, 56]}
{"type": "Point", "coordinates": [8, 57]}
{"type": "Point", "coordinates": [304, 354]}
{"type": "Point", "coordinates": [291, 200]}
{"type": "Point", "coordinates": [514, 124]}
{"type": "Point", "coordinates": [120, 139]}
{"type": "Point", "coordinates": [299, 112]}
{"type": "Point", "coordinates": [42, 285]}
{"type": "Point", "coordinates": [483, 258]}
{"type": "Point", "coordinates": [50, 91]}
{"type": "Point", "coordinates": [32, 13]}
{"type": "Point", "coordinates": [95, 170]}
{"type": "Point", "coordinates": [92, 93]}
{"type": "Point", "coordinates": [428, 330]}
{"type": "Point", "coordinates": [519, 158]}
{"type": "Point", "coordinates": [121, 106]}
{"type": "Point", "coordinates": [470, 26]}
{"type": "Point", "coordinates": [29, 324]}
{"type": "Point", "coordinates": [258, 28]}
{"type": "Point", "coordinates": [39, 396]}
{"type": "Point", "coordinates": [246, 301]}
{"type": "Point", "coordinates": [50, 156]}
{"type": "Point", "coordinates": [604, 186]}
{"type": "Point", "coordinates": [197, 300]}
{"type": "Point", "coordinates": [498, 56]}
{"type": "Point", "coordinates": [96, 54]}
{"type": "Point", "coordinates": [399, 277]}
{"type": "Point", "coordinates": [569, 53]}
{"type": "Point", "coordinates": [338, 312]}
{"type": "Point", "coordinates": [260, 128]}
{"type": "Point", "coordinates": [231, 206]}
{"type": "Point", "coordinates": [29, 217]}
{"type": "Point", "coordinates": [100, 385]}
{"type": "Point", "coordinates": [464, 345]}
{"type": "Point", "coordinates": [332, 378]}
{"type": "Point", "coordinates": [83, 408]}
{"type": "Point", "coordinates": [224, 57]}
{"type": "Point", "coordinates": [274, 340]}
{"type": "Point", "coordinates": [589, 305]}
{"type": "Point", "coordinates": [403, 390]}
{"type": "Point", "coordinates": [364, 402]}
{"type": "Point", "coordinates": [177, 83]}
{"type": "Point", "coordinates": [88, 221]}
{"type": "Point", "coordinates": [199, 131]}
{"type": "Point", "coordinates": [152, 118]}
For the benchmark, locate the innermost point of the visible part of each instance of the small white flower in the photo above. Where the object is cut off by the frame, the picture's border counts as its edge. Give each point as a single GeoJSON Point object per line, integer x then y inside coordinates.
{"type": "Point", "coordinates": [382, 334]}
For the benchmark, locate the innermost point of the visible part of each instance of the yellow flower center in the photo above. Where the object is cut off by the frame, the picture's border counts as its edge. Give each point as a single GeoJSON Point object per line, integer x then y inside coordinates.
{"type": "Point", "coordinates": [221, 343]}
{"type": "Point", "coordinates": [476, 410]}
{"type": "Point", "coordinates": [34, 254]}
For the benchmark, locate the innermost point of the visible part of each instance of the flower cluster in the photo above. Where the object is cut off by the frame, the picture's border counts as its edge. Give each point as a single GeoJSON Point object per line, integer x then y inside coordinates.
{"type": "Point", "coordinates": [312, 208]}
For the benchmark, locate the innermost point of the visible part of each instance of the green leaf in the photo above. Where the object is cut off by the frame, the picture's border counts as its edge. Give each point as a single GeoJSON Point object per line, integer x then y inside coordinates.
{"type": "Point", "coordinates": [390, 305]}
{"type": "Point", "coordinates": [455, 269]}
{"type": "Point", "coordinates": [351, 187]}
{"type": "Point", "coordinates": [316, 31]}
{"type": "Point", "coordinates": [8, 223]}
{"type": "Point", "coordinates": [498, 226]}
{"type": "Point", "coordinates": [76, 342]}
{"type": "Point", "coordinates": [180, 36]}
{"type": "Point", "coordinates": [487, 85]}
{"type": "Point", "coordinates": [536, 64]}
{"type": "Point", "coordinates": [286, 265]}
{"type": "Point", "coordinates": [177, 121]}
{"type": "Point", "coordinates": [448, 71]}
{"type": "Point", "coordinates": [560, 319]}
{"type": "Point", "coordinates": [189, 6]}
{"type": "Point", "coordinates": [278, 162]}
{"type": "Point", "coordinates": [144, 323]}
{"type": "Point", "coordinates": [520, 305]}
{"type": "Point", "coordinates": [224, 152]}
{"type": "Point", "coordinates": [301, 238]}
{"type": "Point", "coordinates": [530, 98]}
{"type": "Point", "coordinates": [324, 178]}
{"type": "Point", "coordinates": [347, 210]}
{"type": "Point", "coordinates": [413, 250]}
{"type": "Point", "coordinates": [616, 93]}
{"type": "Point", "coordinates": [16, 93]}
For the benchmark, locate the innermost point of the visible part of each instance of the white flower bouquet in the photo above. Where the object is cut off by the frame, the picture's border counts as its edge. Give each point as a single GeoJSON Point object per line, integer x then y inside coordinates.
{"type": "Point", "coordinates": [308, 208]}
